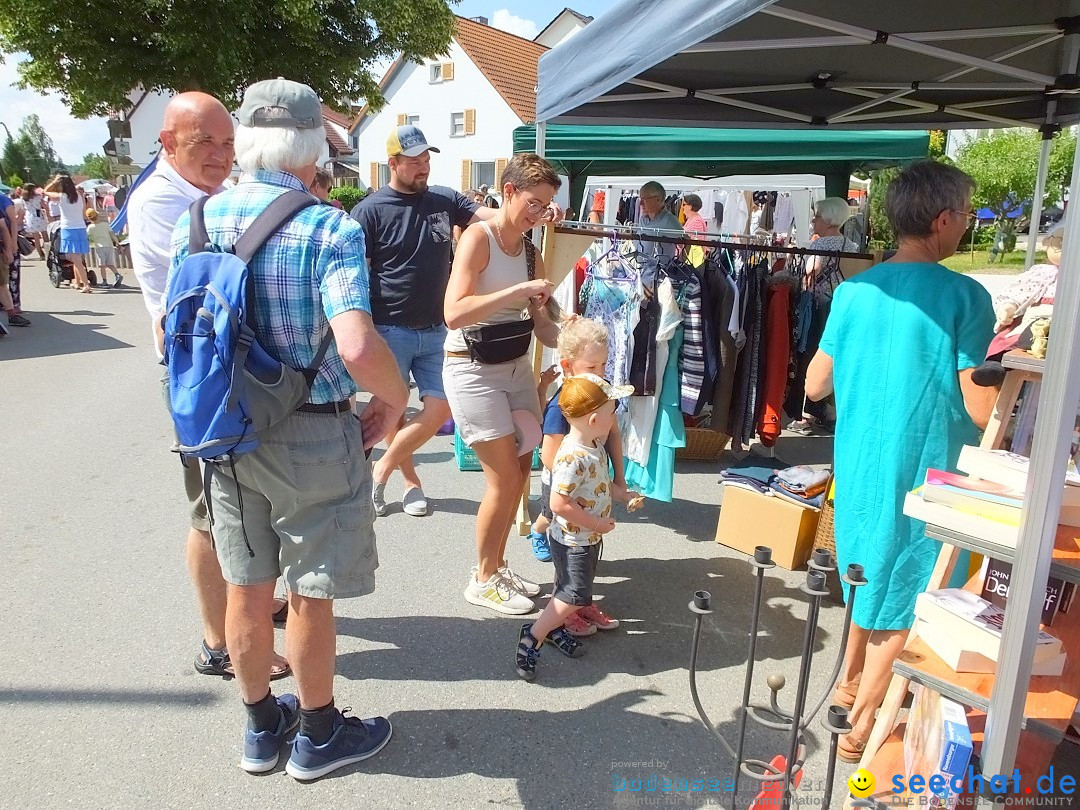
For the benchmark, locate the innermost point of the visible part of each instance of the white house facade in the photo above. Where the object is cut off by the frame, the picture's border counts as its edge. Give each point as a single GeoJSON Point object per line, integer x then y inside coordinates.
{"type": "Point", "coordinates": [467, 103]}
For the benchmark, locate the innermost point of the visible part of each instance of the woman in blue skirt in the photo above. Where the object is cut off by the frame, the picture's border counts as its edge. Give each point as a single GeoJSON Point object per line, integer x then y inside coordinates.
{"type": "Point", "coordinates": [899, 347]}
{"type": "Point", "coordinates": [73, 240]}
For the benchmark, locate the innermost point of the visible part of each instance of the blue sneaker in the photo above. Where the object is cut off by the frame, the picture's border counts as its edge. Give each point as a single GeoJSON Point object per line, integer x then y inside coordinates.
{"type": "Point", "coordinates": [261, 748]}
{"type": "Point", "coordinates": [540, 548]}
{"type": "Point", "coordinates": [353, 740]}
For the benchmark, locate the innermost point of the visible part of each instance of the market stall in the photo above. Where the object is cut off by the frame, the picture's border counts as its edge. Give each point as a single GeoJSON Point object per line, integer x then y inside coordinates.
{"type": "Point", "coordinates": [829, 64]}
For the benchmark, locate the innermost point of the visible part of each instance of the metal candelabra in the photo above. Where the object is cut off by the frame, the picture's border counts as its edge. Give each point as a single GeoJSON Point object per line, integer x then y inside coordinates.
{"type": "Point", "coordinates": [773, 716]}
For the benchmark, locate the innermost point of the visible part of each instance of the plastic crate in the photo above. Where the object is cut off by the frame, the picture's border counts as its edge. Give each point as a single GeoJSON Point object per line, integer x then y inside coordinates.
{"type": "Point", "coordinates": [467, 460]}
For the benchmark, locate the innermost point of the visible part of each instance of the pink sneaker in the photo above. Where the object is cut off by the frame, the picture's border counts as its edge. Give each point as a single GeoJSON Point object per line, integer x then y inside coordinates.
{"type": "Point", "coordinates": [597, 618]}
{"type": "Point", "coordinates": [577, 626]}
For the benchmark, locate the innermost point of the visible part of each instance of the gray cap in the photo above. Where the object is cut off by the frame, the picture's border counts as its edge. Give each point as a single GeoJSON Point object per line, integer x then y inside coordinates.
{"type": "Point", "coordinates": [280, 103]}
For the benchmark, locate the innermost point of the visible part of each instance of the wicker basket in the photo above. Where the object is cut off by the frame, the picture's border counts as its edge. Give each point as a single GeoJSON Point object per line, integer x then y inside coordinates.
{"type": "Point", "coordinates": [825, 537]}
{"type": "Point", "coordinates": [703, 444]}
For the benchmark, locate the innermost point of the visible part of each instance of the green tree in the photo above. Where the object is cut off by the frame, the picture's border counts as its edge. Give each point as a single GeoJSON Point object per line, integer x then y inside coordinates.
{"type": "Point", "coordinates": [14, 159]}
{"type": "Point", "coordinates": [95, 166]}
{"type": "Point", "coordinates": [880, 228]}
{"type": "Point", "coordinates": [39, 154]}
{"type": "Point", "coordinates": [328, 44]}
{"type": "Point", "coordinates": [1005, 164]}
{"type": "Point", "coordinates": [348, 195]}
{"type": "Point", "coordinates": [15, 181]}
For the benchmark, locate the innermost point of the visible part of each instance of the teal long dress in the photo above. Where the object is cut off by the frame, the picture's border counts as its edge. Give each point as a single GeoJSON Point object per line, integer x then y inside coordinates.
{"type": "Point", "coordinates": [898, 334]}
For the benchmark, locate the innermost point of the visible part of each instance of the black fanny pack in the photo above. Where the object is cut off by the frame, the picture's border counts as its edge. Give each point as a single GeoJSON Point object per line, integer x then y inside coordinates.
{"type": "Point", "coordinates": [498, 342]}
{"type": "Point", "coordinates": [503, 342]}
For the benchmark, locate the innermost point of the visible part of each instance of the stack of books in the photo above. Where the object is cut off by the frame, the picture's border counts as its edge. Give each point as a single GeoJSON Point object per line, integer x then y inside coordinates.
{"type": "Point", "coordinates": [988, 500]}
{"type": "Point", "coordinates": [964, 630]}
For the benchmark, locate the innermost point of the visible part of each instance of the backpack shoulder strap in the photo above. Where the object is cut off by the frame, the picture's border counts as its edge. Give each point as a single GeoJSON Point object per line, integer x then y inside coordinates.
{"type": "Point", "coordinates": [198, 238]}
{"type": "Point", "coordinates": [530, 257]}
{"type": "Point", "coordinates": [270, 221]}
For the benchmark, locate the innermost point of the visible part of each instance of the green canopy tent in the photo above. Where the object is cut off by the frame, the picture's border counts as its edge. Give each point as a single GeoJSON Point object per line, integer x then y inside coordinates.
{"type": "Point", "coordinates": [580, 151]}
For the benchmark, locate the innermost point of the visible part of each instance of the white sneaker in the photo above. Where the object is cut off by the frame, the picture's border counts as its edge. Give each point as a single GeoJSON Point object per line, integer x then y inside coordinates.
{"type": "Point", "coordinates": [523, 586]}
{"type": "Point", "coordinates": [414, 503]}
{"type": "Point", "coordinates": [497, 594]}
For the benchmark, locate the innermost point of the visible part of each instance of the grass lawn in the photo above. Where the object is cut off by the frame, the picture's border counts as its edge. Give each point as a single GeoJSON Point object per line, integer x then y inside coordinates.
{"type": "Point", "coordinates": [1013, 262]}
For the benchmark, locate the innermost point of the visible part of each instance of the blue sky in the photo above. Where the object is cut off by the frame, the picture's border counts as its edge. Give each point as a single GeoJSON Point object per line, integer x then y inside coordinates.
{"type": "Point", "coordinates": [75, 138]}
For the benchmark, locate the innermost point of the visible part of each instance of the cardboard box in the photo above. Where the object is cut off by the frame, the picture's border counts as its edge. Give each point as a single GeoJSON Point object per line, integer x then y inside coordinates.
{"type": "Point", "coordinates": [750, 519]}
{"type": "Point", "coordinates": [937, 743]}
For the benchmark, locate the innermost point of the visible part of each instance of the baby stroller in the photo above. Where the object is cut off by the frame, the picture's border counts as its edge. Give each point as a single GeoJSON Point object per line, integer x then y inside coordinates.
{"type": "Point", "coordinates": [60, 268]}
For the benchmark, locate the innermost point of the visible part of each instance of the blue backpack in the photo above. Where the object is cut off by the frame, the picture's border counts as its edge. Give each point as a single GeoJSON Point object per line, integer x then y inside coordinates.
{"type": "Point", "coordinates": [224, 388]}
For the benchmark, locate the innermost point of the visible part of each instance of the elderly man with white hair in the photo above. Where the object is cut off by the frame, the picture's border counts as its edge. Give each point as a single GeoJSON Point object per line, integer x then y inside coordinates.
{"type": "Point", "coordinates": [299, 506]}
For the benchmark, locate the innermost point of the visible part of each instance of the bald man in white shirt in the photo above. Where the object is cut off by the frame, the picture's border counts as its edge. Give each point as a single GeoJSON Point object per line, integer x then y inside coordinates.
{"type": "Point", "coordinates": [196, 159]}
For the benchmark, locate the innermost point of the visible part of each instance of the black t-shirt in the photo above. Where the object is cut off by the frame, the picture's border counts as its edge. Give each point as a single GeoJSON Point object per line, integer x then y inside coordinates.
{"type": "Point", "coordinates": [408, 243]}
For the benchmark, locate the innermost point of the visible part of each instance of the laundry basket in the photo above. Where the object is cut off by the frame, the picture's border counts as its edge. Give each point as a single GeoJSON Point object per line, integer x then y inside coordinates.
{"type": "Point", "coordinates": [703, 444]}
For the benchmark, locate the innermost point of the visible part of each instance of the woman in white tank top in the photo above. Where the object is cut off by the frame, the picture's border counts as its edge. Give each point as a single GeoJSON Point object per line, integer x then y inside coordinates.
{"type": "Point", "coordinates": [73, 240]}
{"type": "Point", "coordinates": [495, 405]}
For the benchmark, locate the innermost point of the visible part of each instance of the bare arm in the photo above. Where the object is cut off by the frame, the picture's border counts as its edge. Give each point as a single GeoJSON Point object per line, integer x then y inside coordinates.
{"type": "Point", "coordinates": [819, 377]}
{"type": "Point", "coordinates": [978, 400]}
{"type": "Point", "coordinates": [461, 306]}
{"type": "Point", "coordinates": [546, 330]}
{"type": "Point", "coordinates": [569, 511]}
{"type": "Point", "coordinates": [549, 448]}
{"type": "Point", "coordinates": [483, 214]}
{"type": "Point", "coordinates": [371, 364]}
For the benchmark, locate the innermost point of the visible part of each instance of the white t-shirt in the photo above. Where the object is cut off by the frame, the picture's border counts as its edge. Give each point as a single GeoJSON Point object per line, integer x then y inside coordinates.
{"type": "Point", "coordinates": [153, 210]}
{"type": "Point", "coordinates": [581, 473]}
{"type": "Point", "coordinates": [72, 213]}
{"type": "Point", "coordinates": [54, 209]}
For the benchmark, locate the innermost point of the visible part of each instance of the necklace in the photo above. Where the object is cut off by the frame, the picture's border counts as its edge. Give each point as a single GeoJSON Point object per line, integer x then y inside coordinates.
{"type": "Point", "coordinates": [498, 239]}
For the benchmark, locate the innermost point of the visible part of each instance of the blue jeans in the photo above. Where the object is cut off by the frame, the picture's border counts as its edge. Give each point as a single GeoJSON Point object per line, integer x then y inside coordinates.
{"type": "Point", "coordinates": [418, 352]}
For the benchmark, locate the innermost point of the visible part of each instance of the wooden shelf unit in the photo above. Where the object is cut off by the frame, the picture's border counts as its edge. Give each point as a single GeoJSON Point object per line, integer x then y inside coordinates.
{"type": "Point", "coordinates": [1051, 701]}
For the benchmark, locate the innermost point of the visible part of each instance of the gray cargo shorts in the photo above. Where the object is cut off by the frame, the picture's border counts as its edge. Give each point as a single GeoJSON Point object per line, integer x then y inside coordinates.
{"type": "Point", "coordinates": [193, 482]}
{"type": "Point", "coordinates": [302, 502]}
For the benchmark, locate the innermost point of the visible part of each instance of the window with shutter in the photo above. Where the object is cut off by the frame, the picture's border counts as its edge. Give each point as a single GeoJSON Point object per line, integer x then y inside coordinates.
{"type": "Point", "coordinates": [373, 175]}
{"type": "Point", "coordinates": [483, 174]}
{"type": "Point", "coordinates": [470, 122]}
{"type": "Point", "coordinates": [466, 175]}
{"type": "Point", "coordinates": [402, 119]}
{"type": "Point", "coordinates": [447, 71]}
{"type": "Point", "coordinates": [500, 167]}
{"type": "Point", "coordinates": [457, 124]}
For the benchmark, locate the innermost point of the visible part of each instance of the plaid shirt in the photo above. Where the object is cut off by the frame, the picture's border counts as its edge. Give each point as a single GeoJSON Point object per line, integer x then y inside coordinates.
{"type": "Point", "coordinates": [312, 269]}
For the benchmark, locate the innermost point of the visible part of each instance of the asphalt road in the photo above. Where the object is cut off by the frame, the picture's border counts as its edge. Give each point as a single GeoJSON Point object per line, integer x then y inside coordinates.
{"type": "Point", "coordinates": [104, 709]}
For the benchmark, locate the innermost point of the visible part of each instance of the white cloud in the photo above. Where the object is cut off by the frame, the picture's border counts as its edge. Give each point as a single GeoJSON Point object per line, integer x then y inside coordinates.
{"type": "Point", "coordinates": [505, 21]}
{"type": "Point", "coordinates": [72, 137]}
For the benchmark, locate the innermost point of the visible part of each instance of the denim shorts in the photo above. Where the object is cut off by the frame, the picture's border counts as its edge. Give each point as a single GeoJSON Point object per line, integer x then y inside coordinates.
{"type": "Point", "coordinates": [575, 570]}
{"type": "Point", "coordinates": [418, 352]}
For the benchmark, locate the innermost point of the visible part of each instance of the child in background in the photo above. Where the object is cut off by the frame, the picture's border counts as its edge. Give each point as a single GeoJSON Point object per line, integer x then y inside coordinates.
{"type": "Point", "coordinates": [104, 242]}
{"type": "Point", "coordinates": [582, 349]}
{"type": "Point", "coordinates": [581, 503]}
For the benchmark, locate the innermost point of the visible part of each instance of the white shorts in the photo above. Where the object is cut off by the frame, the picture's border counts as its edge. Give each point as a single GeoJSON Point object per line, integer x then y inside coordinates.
{"type": "Point", "coordinates": [483, 396]}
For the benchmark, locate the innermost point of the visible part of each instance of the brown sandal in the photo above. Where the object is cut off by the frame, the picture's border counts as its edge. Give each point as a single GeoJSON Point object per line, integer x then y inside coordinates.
{"type": "Point", "coordinates": [849, 748]}
{"type": "Point", "coordinates": [845, 695]}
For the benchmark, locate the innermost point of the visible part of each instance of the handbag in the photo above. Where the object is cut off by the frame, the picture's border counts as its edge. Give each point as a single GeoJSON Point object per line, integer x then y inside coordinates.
{"type": "Point", "coordinates": [26, 247]}
{"type": "Point", "coordinates": [502, 342]}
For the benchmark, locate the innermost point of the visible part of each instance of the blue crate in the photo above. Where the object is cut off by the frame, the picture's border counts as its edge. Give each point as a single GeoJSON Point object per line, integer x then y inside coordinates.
{"type": "Point", "coordinates": [467, 460]}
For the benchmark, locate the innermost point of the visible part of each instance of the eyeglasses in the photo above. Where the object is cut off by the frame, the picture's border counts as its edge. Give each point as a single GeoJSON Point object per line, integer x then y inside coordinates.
{"type": "Point", "coordinates": [535, 208]}
{"type": "Point", "coordinates": [970, 216]}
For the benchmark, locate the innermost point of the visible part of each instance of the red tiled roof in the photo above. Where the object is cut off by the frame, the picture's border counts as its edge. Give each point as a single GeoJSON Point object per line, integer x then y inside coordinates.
{"type": "Point", "coordinates": [507, 61]}
{"type": "Point", "coordinates": [332, 137]}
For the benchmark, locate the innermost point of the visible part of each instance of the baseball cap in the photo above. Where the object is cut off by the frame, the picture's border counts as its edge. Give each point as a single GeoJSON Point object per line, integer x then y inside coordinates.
{"type": "Point", "coordinates": [408, 141]}
{"type": "Point", "coordinates": [280, 103]}
{"type": "Point", "coordinates": [583, 394]}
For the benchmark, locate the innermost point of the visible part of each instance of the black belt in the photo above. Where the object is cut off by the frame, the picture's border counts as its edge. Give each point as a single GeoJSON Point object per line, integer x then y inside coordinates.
{"type": "Point", "coordinates": [341, 406]}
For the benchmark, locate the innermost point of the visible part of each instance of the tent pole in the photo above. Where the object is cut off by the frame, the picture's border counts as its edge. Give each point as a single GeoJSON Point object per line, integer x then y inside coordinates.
{"type": "Point", "coordinates": [541, 137]}
{"type": "Point", "coordinates": [1058, 395]}
{"type": "Point", "coordinates": [1037, 200]}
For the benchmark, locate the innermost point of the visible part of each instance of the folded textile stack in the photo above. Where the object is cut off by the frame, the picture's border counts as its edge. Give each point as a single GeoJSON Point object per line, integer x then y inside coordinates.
{"type": "Point", "coordinates": [814, 502]}
{"type": "Point", "coordinates": [752, 473]}
{"type": "Point", "coordinates": [803, 480]}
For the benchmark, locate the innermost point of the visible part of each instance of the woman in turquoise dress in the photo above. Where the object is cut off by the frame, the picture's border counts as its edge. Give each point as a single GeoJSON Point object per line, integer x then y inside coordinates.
{"type": "Point", "coordinates": [898, 350]}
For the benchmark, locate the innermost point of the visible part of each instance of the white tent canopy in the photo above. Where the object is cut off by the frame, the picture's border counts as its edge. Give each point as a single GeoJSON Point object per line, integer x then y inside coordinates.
{"type": "Point", "coordinates": [876, 64]}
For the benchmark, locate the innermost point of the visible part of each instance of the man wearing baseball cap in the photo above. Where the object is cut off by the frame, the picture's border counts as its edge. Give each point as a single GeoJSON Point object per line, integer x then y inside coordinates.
{"type": "Point", "coordinates": [409, 227]}
{"type": "Point", "coordinates": [299, 505]}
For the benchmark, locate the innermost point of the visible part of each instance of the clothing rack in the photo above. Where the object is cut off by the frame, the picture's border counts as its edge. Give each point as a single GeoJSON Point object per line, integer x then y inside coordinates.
{"type": "Point", "coordinates": [708, 240]}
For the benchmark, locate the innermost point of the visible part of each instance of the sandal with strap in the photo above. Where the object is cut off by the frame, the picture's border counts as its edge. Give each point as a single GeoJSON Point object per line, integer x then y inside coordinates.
{"type": "Point", "coordinates": [217, 662]}
{"type": "Point", "coordinates": [845, 695]}
{"type": "Point", "coordinates": [849, 748]}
